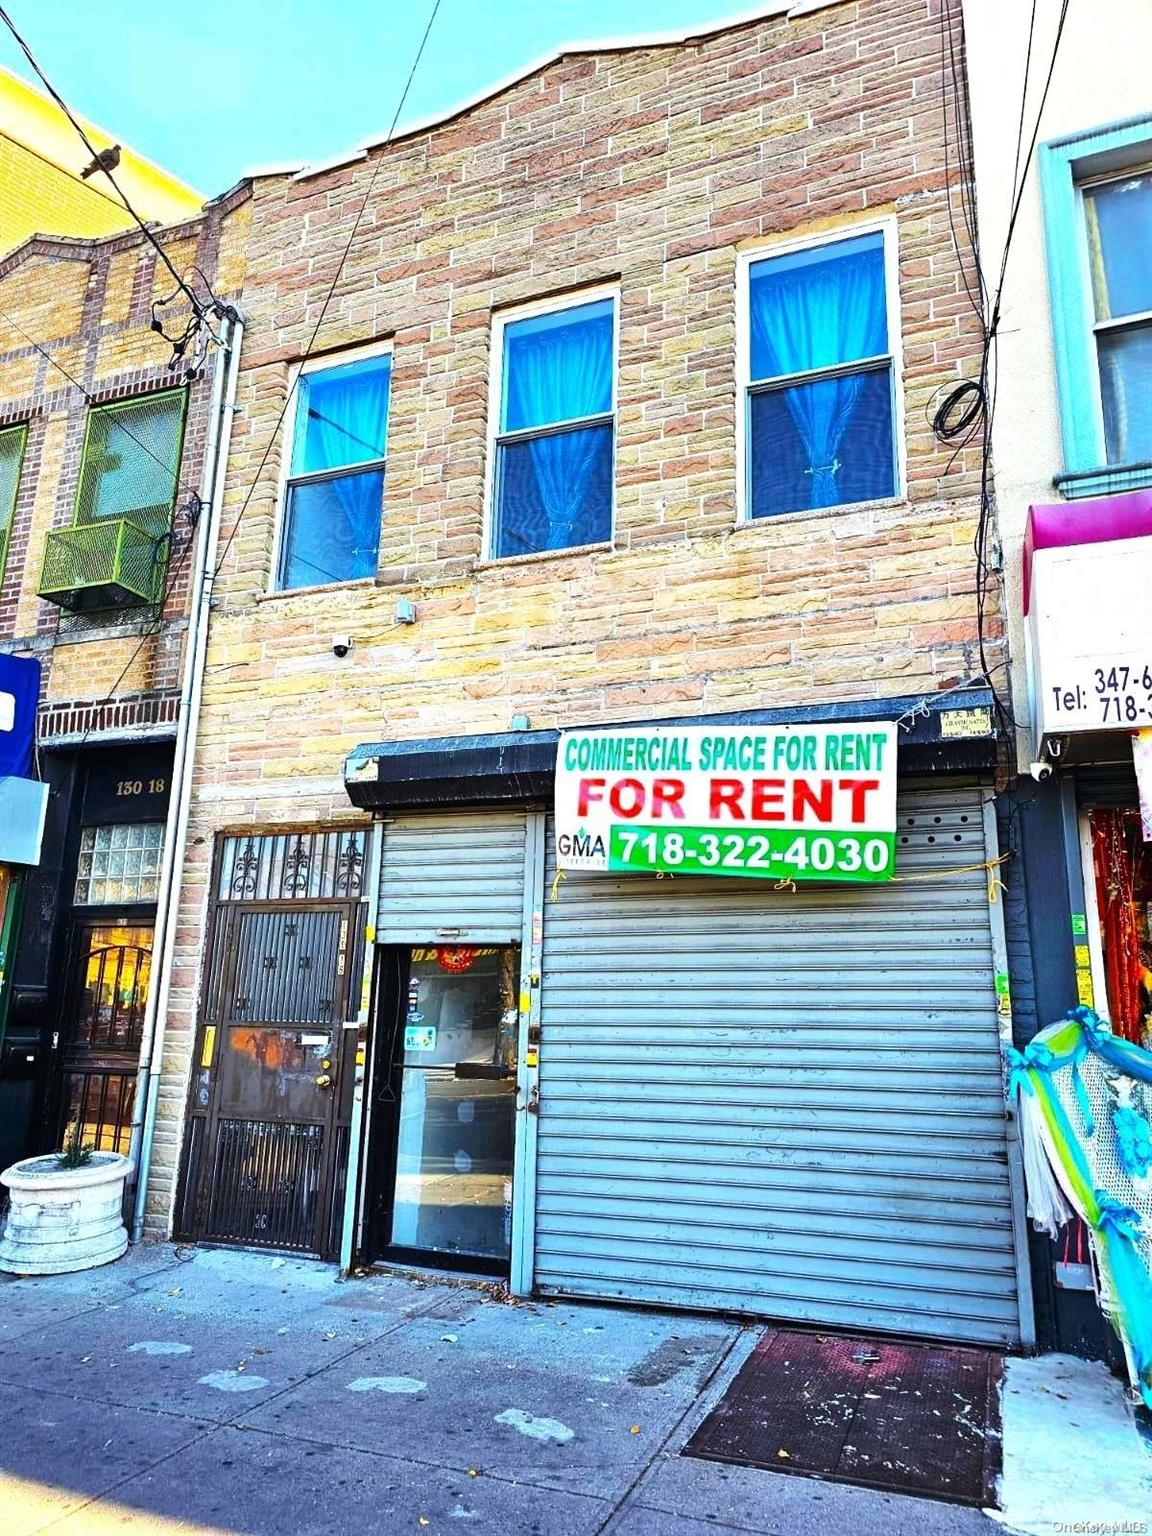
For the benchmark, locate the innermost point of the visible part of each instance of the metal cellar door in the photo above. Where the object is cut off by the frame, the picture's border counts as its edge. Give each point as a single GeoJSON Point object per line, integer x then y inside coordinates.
{"type": "Point", "coordinates": [785, 1103]}
{"type": "Point", "coordinates": [272, 1065]}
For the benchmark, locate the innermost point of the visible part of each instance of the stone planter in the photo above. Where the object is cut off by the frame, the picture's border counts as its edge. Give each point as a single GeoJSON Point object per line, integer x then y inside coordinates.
{"type": "Point", "coordinates": [62, 1219]}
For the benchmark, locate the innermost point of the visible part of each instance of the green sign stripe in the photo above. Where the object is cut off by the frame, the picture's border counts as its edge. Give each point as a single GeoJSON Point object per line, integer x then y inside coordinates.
{"type": "Point", "coordinates": [759, 852]}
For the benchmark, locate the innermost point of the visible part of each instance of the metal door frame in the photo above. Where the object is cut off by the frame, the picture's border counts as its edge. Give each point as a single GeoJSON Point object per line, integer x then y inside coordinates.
{"type": "Point", "coordinates": [1026, 1311]}
{"type": "Point", "coordinates": [522, 1273]}
{"type": "Point", "coordinates": [362, 1171]}
{"type": "Point", "coordinates": [380, 1170]}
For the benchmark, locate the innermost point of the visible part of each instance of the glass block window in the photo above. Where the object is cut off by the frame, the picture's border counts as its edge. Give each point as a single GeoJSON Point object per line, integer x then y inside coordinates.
{"type": "Point", "coordinates": [335, 495]}
{"type": "Point", "coordinates": [819, 416]}
{"type": "Point", "coordinates": [119, 864]}
{"type": "Point", "coordinates": [132, 461]}
{"type": "Point", "coordinates": [552, 482]}
{"type": "Point", "coordinates": [1118, 227]}
{"type": "Point", "coordinates": [12, 441]}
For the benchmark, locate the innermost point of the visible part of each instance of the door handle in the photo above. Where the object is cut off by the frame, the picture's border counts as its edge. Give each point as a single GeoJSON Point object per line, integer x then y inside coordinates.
{"type": "Point", "coordinates": [324, 1080]}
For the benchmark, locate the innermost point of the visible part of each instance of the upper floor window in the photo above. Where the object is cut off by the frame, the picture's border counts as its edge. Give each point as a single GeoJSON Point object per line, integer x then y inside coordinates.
{"type": "Point", "coordinates": [1118, 230]}
{"type": "Point", "coordinates": [1098, 230]}
{"type": "Point", "coordinates": [335, 493]}
{"type": "Point", "coordinates": [131, 462]}
{"type": "Point", "coordinates": [553, 450]}
{"type": "Point", "coordinates": [819, 425]}
{"type": "Point", "coordinates": [12, 441]}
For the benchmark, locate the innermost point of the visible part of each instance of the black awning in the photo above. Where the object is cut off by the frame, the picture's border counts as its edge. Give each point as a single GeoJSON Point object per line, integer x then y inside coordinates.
{"type": "Point", "coordinates": [519, 765]}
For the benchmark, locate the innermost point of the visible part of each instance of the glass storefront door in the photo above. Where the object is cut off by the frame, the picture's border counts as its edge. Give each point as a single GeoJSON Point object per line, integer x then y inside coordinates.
{"type": "Point", "coordinates": [456, 1060]}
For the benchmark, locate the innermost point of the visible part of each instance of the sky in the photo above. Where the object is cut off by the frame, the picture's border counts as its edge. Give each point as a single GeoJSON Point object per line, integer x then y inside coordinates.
{"type": "Point", "coordinates": [210, 89]}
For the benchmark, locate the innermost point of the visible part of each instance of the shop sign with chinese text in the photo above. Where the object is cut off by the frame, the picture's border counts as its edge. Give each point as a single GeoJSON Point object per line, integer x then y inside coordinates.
{"type": "Point", "coordinates": [769, 802]}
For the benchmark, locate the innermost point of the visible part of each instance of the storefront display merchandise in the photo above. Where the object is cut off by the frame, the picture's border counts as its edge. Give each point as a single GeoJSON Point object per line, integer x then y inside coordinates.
{"type": "Point", "coordinates": [1084, 1099]}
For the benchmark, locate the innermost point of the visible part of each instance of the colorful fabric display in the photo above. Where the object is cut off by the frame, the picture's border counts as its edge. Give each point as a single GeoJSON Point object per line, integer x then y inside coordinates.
{"type": "Point", "coordinates": [1088, 1148]}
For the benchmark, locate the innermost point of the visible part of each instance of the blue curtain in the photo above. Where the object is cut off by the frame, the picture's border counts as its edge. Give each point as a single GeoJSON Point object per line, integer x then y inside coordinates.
{"type": "Point", "coordinates": [557, 369]}
{"type": "Point", "coordinates": [812, 313]}
{"type": "Point", "coordinates": [343, 421]}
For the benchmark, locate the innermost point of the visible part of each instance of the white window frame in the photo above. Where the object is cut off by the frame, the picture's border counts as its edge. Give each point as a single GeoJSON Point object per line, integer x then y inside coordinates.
{"type": "Point", "coordinates": [322, 364]}
{"type": "Point", "coordinates": [501, 320]}
{"type": "Point", "coordinates": [888, 228]}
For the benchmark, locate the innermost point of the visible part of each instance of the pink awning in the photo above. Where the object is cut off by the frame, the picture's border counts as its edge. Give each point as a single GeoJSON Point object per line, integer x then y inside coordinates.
{"type": "Point", "coordinates": [1099, 520]}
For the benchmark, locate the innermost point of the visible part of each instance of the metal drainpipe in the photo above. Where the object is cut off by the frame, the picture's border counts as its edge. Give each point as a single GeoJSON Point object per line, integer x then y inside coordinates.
{"type": "Point", "coordinates": [175, 831]}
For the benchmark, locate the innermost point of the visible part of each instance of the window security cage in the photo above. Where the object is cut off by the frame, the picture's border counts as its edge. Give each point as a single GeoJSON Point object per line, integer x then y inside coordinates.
{"type": "Point", "coordinates": [115, 553]}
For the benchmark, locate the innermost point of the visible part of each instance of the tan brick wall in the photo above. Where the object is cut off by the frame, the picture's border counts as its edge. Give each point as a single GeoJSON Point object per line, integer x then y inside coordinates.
{"type": "Point", "coordinates": [44, 299]}
{"type": "Point", "coordinates": [78, 328]}
{"type": "Point", "coordinates": [652, 170]}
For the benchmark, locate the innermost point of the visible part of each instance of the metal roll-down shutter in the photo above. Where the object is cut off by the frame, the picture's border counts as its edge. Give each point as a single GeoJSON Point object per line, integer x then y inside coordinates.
{"type": "Point", "coordinates": [453, 876]}
{"type": "Point", "coordinates": [785, 1103]}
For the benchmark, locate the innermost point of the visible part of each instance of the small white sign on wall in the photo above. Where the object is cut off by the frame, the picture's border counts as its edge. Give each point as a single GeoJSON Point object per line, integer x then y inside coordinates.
{"type": "Point", "coordinates": [1090, 638]}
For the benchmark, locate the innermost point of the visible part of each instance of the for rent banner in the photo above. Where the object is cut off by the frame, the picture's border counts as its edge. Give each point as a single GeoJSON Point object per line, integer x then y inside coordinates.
{"type": "Point", "coordinates": [768, 802]}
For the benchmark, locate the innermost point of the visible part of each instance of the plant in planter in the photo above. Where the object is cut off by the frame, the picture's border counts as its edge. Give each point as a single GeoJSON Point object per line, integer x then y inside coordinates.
{"type": "Point", "coordinates": [66, 1210]}
{"type": "Point", "coordinates": [74, 1154]}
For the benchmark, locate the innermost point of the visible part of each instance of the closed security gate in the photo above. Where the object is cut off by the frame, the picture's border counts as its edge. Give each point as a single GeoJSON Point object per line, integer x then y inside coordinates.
{"type": "Point", "coordinates": [268, 1131]}
{"type": "Point", "coordinates": [782, 1102]}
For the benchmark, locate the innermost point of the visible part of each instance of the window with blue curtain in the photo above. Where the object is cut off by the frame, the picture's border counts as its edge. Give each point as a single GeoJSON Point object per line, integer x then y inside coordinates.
{"type": "Point", "coordinates": [552, 486]}
{"type": "Point", "coordinates": [335, 496]}
{"type": "Point", "coordinates": [820, 420]}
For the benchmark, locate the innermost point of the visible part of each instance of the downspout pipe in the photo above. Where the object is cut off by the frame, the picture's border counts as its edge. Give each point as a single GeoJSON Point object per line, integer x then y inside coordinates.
{"type": "Point", "coordinates": [222, 412]}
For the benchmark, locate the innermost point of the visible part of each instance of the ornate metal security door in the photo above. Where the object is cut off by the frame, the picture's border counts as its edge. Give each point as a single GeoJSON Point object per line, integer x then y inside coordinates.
{"type": "Point", "coordinates": [267, 1148]}
{"type": "Point", "coordinates": [102, 1028]}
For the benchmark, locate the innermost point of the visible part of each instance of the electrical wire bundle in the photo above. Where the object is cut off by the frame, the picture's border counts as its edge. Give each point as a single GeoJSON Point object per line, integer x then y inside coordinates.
{"type": "Point", "coordinates": [964, 413]}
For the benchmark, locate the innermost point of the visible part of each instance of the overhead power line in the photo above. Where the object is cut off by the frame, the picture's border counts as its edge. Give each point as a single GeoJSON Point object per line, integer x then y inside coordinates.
{"type": "Point", "coordinates": [964, 413]}
{"type": "Point", "coordinates": [190, 505]}
{"type": "Point", "coordinates": [359, 219]}
{"type": "Point", "coordinates": [104, 164]}
{"type": "Point", "coordinates": [174, 567]}
{"type": "Point", "coordinates": [89, 398]}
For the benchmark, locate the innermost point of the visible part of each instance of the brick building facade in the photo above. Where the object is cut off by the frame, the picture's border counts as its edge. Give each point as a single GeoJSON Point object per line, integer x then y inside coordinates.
{"type": "Point", "coordinates": [646, 189]}
{"type": "Point", "coordinates": [99, 436]}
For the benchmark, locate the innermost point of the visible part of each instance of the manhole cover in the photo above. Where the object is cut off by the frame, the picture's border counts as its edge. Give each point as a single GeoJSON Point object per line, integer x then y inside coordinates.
{"type": "Point", "coordinates": [908, 1418]}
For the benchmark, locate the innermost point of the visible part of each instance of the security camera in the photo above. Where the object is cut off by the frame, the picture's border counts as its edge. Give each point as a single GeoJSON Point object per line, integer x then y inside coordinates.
{"type": "Point", "coordinates": [1040, 770]}
{"type": "Point", "coordinates": [341, 645]}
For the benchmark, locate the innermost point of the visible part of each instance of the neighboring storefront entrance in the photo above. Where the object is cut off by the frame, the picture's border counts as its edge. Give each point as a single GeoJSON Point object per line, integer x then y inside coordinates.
{"type": "Point", "coordinates": [1116, 872]}
{"type": "Point", "coordinates": [268, 1138]}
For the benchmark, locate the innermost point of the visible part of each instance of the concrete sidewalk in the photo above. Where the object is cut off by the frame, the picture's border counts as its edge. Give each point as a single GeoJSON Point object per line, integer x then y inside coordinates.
{"type": "Point", "coordinates": [227, 1392]}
